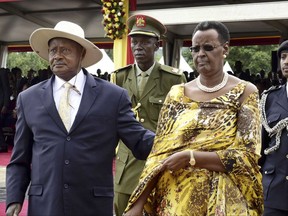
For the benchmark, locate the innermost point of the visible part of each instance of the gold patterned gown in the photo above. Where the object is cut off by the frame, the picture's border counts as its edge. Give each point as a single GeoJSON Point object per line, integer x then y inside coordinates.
{"type": "Point", "coordinates": [220, 125]}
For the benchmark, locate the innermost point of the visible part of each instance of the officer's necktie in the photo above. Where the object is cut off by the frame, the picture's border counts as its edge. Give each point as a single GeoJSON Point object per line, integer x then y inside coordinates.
{"type": "Point", "coordinates": [65, 107]}
{"type": "Point", "coordinates": [142, 82]}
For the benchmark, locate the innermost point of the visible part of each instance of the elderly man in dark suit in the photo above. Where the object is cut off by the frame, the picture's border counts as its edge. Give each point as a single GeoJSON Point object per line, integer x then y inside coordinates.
{"type": "Point", "coordinates": [67, 130]}
{"type": "Point", "coordinates": [4, 104]}
{"type": "Point", "coordinates": [147, 82]}
{"type": "Point", "coordinates": [274, 161]}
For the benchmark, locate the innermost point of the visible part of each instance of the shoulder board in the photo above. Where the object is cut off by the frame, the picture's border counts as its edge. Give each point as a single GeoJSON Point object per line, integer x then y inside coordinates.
{"type": "Point", "coordinates": [170, 69]}
{"type": "Point", "coordinates": [272, 88]}
{"type": "Point", "coordinates": [123, 68]}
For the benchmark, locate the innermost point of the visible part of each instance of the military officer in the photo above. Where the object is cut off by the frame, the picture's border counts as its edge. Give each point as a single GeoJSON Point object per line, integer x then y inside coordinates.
{"type": "Point", "coordinates": [148, 83]}
{"type": "Point", "coordinates": [274, 160]}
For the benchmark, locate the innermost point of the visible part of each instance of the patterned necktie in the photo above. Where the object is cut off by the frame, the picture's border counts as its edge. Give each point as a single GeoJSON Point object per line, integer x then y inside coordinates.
{"type": "Point", "coordinates": [65, 107]}
{"type": "Point", "coordinates": [142, 82]}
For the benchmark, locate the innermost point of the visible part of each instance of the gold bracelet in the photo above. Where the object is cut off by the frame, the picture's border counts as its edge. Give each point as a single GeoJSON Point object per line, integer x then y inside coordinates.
{"type": "Point", "coordinates": [192, 161]}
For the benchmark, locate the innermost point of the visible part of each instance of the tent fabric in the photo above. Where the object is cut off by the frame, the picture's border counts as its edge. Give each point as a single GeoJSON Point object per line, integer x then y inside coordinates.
{"type": "Point", "coordinates": [183, 65]}
{"type": "Point", "coordinates": [105, 65]}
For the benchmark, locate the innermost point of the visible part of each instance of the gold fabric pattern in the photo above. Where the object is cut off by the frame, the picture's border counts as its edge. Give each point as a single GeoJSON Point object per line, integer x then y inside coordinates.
{"type": "Point", "coordinates": [206, 126]}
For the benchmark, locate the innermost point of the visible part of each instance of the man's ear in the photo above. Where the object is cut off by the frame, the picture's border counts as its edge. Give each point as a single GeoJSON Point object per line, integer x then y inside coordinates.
{"type": "Point", "coordinates": [157, 45]}
{"type": "Point", "coordinates": [83, 53]}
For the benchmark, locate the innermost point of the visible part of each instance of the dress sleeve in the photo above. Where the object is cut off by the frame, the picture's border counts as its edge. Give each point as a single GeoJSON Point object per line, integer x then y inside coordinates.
{"type": "Point", "coordinates": [246, 148]}
{"type": "Point", "coordinates": [241, 158]}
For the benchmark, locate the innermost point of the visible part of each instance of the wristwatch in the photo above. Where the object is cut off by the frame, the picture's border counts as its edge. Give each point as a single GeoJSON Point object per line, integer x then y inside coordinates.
{"type": "Point", "coordinates": [192, 161]}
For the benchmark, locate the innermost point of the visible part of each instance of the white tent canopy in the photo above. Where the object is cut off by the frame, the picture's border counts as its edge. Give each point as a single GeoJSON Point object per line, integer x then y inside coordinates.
{"type": "Point", "coordinates": [105, 65]}
{"type": "Point", "coordinates": [183, 64]}
{"type": "Point", "coordinates": [227, 67]}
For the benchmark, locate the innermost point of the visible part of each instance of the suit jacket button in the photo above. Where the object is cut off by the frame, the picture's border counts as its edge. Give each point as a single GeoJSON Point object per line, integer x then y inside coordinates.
{"type": "Point", "coordinates": [66, 186]}
{"type": "Point", "coordinates": [68, 138]}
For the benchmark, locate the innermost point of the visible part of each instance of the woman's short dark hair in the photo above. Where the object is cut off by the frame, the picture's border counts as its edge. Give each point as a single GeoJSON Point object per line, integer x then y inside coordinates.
{"type": "Point", "coordinates": [221, 29]}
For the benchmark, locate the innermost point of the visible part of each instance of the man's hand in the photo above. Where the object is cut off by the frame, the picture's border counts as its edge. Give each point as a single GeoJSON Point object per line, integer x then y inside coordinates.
{"type": "Point", "coordinates": [134, 212]}
{"type": "Point", "coordinates": [14, 209]}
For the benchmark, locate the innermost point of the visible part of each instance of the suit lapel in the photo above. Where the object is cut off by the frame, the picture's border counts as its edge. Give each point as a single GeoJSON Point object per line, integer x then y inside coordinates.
{"type": "Point", "coordinates": [283, 100]}
{"type": "Point", "coordinates": [91, 90]}
{"type": "Point", "coordinates": [49, 104]}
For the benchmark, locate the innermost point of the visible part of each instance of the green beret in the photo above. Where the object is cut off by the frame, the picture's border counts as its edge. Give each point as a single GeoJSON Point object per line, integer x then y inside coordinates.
{"type": "Point", "coordinates": [145, 25]}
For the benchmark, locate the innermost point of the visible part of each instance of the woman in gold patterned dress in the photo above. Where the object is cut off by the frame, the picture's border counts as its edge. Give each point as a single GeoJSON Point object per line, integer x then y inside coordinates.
{"type": "Point", "coordinates": [207, 144]}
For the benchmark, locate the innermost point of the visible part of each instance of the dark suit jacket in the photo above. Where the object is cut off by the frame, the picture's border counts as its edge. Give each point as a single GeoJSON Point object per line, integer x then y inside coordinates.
{"type": "Point", "coordinates": [71, 173]}
{"type": "Point", "coordinates": [275, 165]}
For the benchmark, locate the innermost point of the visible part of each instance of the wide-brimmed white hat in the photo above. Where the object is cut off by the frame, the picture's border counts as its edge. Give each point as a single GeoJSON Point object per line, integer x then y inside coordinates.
{"type": "Point", "coordinates": [39, 41]}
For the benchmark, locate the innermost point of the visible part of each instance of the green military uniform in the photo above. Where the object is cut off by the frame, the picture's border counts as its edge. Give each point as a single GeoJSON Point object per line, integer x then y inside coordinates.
{"type": "Point", "coordinates": [147, 96]}
{"type": "Point", "coordinates": [147, 108]}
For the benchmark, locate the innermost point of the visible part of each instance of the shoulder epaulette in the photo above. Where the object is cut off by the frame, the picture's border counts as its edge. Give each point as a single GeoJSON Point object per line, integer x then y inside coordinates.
{"type": "Point", "coordinates": [170, 69]}
{"type": "Point", "coordinates": [272, 88]}
{"type": "Point", "coordinates": [123, 68]}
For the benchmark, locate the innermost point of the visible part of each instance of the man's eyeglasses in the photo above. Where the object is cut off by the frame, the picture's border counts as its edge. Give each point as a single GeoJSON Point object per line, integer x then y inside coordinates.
{"type": "Point", "coordinates": [205, 47]}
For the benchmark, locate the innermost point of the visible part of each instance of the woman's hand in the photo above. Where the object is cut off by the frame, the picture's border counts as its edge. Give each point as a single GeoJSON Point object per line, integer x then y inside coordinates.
{"type": "Point", "coordinates": [205, 160]}
{"type": "Point", "coordinates": [177, 161]}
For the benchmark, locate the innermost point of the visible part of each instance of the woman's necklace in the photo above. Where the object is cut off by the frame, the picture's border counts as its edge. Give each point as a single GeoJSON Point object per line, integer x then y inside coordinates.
{"type": "Point", "coordinates": [215, 88]}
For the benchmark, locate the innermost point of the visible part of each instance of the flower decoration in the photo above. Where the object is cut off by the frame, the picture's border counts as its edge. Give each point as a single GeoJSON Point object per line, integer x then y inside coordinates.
{"type": "Point", "coordinates": [113, 18]}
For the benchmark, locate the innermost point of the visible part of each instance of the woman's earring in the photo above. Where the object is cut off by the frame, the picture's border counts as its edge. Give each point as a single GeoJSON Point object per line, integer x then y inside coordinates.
{"type": "Point", "coordinates": [224, 56]}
